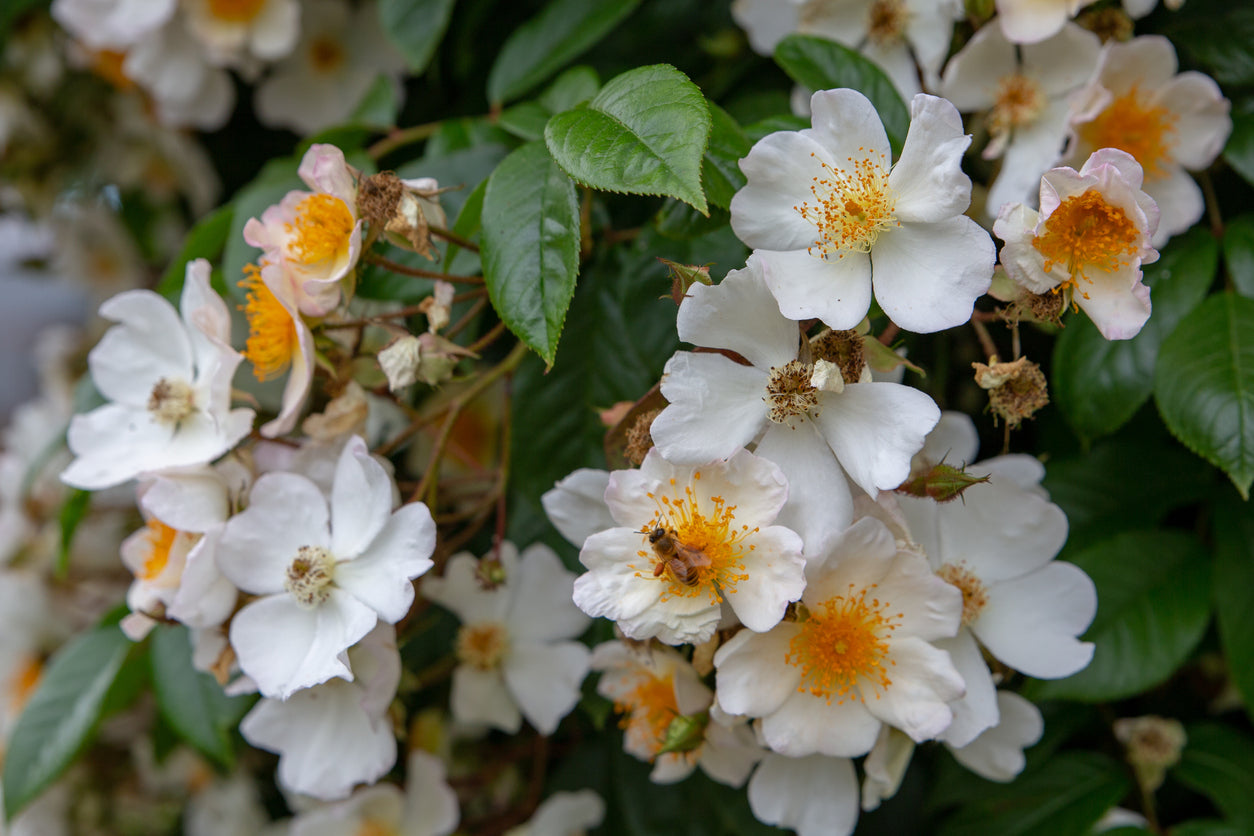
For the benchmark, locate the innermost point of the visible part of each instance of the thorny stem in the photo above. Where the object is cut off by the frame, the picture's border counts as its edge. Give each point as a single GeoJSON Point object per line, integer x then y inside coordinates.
{"type": "Point", "coordinates": [400, 138]}
{"type": "Point", "coordinates": [453, 238]}
{"type": "Point", "coordinates": [396, 267]}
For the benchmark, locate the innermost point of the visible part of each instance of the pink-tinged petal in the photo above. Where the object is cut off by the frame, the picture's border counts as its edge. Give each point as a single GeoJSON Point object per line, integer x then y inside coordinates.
{"type": "Point", "coordinates": [285, 647]}
{"type": "Point", "coordinates": [976, 710]}
{"type": "Point", "coordinates": [286, 512]}
{"type": "Point", "coordinates": [776, 573]}
{"type": "Point", "coordinates": [361, 500]}
{"type": "Point", "coordinates": [205, 314]}
{"type": "Point", "coordinates": [875, 429]}
{"type": "Point", "coordinates": [1180, 203]}
{"type": "Point", "coordinates": [928, 276]}
{"type": "Point", "coordinates": [1064, 62]}
{"type": "Point", "coordinates": [819, 504]}
{"type": "Point", "coordinates": [997, 754]}
{"type": "Point", "coordinates": [846, 124]}
{"type": "Point", "coordinates": [753, 678]}
{"type": "Point", "coordinates": [736, 315]}
{"type": "Point", "coordinates": [576, 505]}
{"type": "Point", "coordinates": [837, 291]}
{"type": "Point", "coordinates": [381, 577]}
{"type": "Point", "coordinates": [619, 582]}
{"type": "Point", "coordinates": [1024, 263]}
{"type": "Point", "coordinates": [810, 725]}
{"type": "Point", "coordinates": [927, 180]}
{"type": "Point", "coordinates": [1032, 623]}
{"type": "Point", "coordinates": [815, 796]}
{"type": "Point", "coordinates": [780, 169]}
{"type": "Point", "coordinates": [541, 607]}
{"type": "Point", "coordinates": [716, 408]}
{"type": "Point", "coordinates": [480, 696]}
{"type": "Point", "coordinates": [324, 169]}
{"type": "Point", "coordinates": [545, 680]}
{"type": "Point", "coordinates": [1031, 21]}
{"type": "Point", "coordinates": [923, 682]}
{"type": "Point", "coordinates": [148, 344]}
{"type": "Point", "coordinates": [300, 376]}
{"type": "Point", "coordinates": [1117, 302]}
{"type": "Point", "coordinates": [460, 592]}
{"type": "Point", "coordinates": [972, 75]}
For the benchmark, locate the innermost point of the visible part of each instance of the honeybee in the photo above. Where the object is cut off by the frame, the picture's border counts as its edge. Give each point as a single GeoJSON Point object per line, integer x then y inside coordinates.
{"type": "Point", "coordinates": [682, 561]}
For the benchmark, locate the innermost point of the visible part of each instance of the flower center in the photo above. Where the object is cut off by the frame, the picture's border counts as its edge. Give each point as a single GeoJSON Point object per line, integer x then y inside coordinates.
{"type": "Point", "coordinates": [483, 645]}
{"type": "Point", "coordinates": [1019, 101]}
{"type": "Point", "coordinates": [235, 11]}
{"type": "Point", "coordinates": [107, 63]}
{"type": "Point", "coordinates": [852, 206]}
{"type": "Point", "coordinates": [171, 400]}
{"type": "Point", "coordinates": [1086, 234]}
{"type": "Point", "coordinates": [974, 592]}
{"type": "Point", "coordinates": [272, 338]}
{"type": "Point", "coordinates": [310, 576]}
{"type": "Point", "coordinates": [700, 550]}
{"type": "Point", "coordinates": [160, 540]}
{"type": "Point", "coordinates": [842, 642]}
{"type": "Point", "coordinates": [1145, 131]}
{"type": "Point", "coordinates": [322, 227]}
{"type": "Point", "coordinates": [326, 54]}
{"type": "Point", "coordinates": [790, 392]}
{"type": "Point", "coordinates": [886, 22]}
{"type": "Point", "coordinates": [648, 710]}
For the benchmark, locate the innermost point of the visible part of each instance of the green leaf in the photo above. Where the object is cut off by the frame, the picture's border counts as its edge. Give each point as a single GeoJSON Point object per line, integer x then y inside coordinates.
{"type": "Point", "coordinates": [1099, 383]}
{"type": "Point", "coordinates": [192, 701]}
{"type": "Point", "coordinates": [1153, 605]}
{"type": "Point", "coordinates": [1220, 37]}
{"type": "Point", "coordinates": [72, 513]}
{"type": "Point", "coordinates": [562, 31]}
{"type": "Point", "coordinates": [531, 246]}
{"type": "Point", "coordinates": [205, 240]}
{"type": "Point", "coordinates": [415, 27]}
{"type": "Point", "coordinates": [276, 179]}
{"type": "Point", "coordinates": [820, 64]}
{"type": "Point", "coordinates": [526, 120]}
{"type": "Point", "coordinates": [469, 222]}
{"type": "Point", "coordinates": [1204, 385]}
{"type": "Point", "coordinates": [645, 133]}
{"type": "Point", "coordinates": [61, 717]}
{"type": "Point", "coordinates": [378, 107]}
{"type": "Point", "coordinates": [1239, 152]}
{"type": "Point", "coordinates": [1218, 761]}
{"type": "Point", "coordinates": [1209, 827]}
{"type": "Point", "coordinates": [1234, 593]}
{"type": "Point", "coordinates": [1239, 253]}
{"type": "Point", "coordinates": [1064, 797]}
{"type": "Point", "coordinates": [720, 166]}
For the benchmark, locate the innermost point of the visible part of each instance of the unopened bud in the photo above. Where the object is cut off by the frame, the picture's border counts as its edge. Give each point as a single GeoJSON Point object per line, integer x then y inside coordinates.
{"type": "Point", "coordinates": [684, 276]}
{"type": "Point", "coordinates": [428, 358]}
{"type": "Point", "coordinates": [1016, 390]}
{"type": "Point", "coordinates": [685, 733]}
{"type": "Point", "coordinates": [1153, 745]}
{"type": "Point", "coordinates": [943, 483]}
{"type": "Point", "coordinates": [399, 362]}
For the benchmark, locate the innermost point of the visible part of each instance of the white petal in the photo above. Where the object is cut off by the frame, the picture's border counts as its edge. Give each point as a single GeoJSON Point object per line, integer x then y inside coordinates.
{"type": "Point", "coordinates": [381, 577]}
{"type": "Point", "coordinates": [954, 440]}
{"type": "Point", "coordinates": [361, 500]}
{"type": "Point", "coordinates": [195, 501]}
{"type": "Point", "coordinates": [285, 647]}
{"type": "Point", "coordinates": [928, 181]}
{"type": "Point", "coordinates": [753, 484]}
{"type": "Point", "coordinates": [1064, 62]}
{"type": "Point", "coordinates": [1001, 531]}
{"type": "Point", "coordinates": [735, 314]}
{"type": "Point", "coordinates": [1031, 623]}
{"type": "Point", "coordinates": [1029, 21]}
{"type": "Point", "coordinates": [1179, 199]}
{"type": "Point", "coordinates": [1202, 125]}
{"type": "Point", "coordinates": [776, 573]}
{"type": "Point", "coordinates": [930, 608]}
{"type": "Point", "coordinates": [286, 512]}
{"type": "Point", "coordinates": [460, 592]}
{"type": "Point", "coordinates": [481, 697]}
{"type": "Point", "coordinates": [545, 680]}
{"type": "Point", "coordinates": [808, 725]}
{"type": "Point", "coordinates": [976, 710]}
{"type": "Point", "coordinates": [753, 678]}
{"type": "Point", "coordinates": [615, 585]}
{"type": "Point", "coordinates": [113, 444]}
{"type": "Point", "coordinates": [846, 124]}
{"type": "Point", "coordinates": [819, 504]}
{"type": "Point", "coordinates": [923, 682]}
{"type": "Point", "coordinates": [1033, 150]}
{"type": "Point", "coordinates": [837, 291]}
{"type": "Point", "coordinates": [885, 767]}
{"type": "Point", "coordinates": [540, 606]}
{"type": "Point", "coordinates": [875, 429]}
{"type": "Point", "coordinates": [576, 505]}
{"type": "Point", "coordinates": [148, 344]}
{"type": "Point", "coordinates": [716, 408]}
{"type": "Point", "coordinates": [1117, 302]}
{"type": "Point", "coordinates": [430, 802]}
{"type": "Point", "coordinates": [816, 796]}
{"type": "Point", "coordinates": [972, 75]}
{"type": "Point", "coordinates": [997, 755]}
{"type": "Point", "coordinates": [780, 169]}
{"type": "Point", "coordinates": [928, 276]}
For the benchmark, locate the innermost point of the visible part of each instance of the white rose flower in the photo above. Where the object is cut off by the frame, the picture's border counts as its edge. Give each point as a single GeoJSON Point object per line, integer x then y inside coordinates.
{"type": "Point", "coordinates": [814, 795]}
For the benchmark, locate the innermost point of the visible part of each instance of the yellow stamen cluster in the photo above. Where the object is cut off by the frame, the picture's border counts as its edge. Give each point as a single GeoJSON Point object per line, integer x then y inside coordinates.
{"type": "Point", "coordinates": [707, 527]}
{"type": "Point", "coordinates": [886, 22]}
{"type": "Point", "coordinates": [171, 400]}
{"type": "Point", "coordinates": [974, 592]}
{"type": "Point", "coordinates": [1086, 235]}
{"type": "Point", "coordinates": [1019, 100]}
{"type": "Point", "coordinates": [853, 205]}
{"type": "Point", "coordinates": [790, 393]}
{"type": "Point", "coordinates": [310, 576]}
{"type": "Point", "coordinates": [842, 645]}
{"type": "Point", "coordinates": [326, 54]}
{"type": "Point", "coordinates": [272, 340]}
{"type": "Point", "coordinates": [648, 709]}
{"type": "Point", "coordinates": [1130, 123]}
{"type": "Point", "coordinates": [160, 539]}
{"type": "Point", "coordinates": [483, 645]}
{"type": "Point", "coordinates": [235, 11]}
{"type": "Point", "coordinates": [321, 229]}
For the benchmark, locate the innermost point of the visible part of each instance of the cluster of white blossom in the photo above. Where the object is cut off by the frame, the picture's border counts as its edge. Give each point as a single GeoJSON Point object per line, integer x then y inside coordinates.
{"type": "Point", "coordinates": [312, 60]}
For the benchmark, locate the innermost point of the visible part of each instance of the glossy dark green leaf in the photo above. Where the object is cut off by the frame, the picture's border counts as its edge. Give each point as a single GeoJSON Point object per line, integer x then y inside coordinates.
{"type": "Point", "coordinates": [563, 31]}
{"type": "Point", "coordinates": [1218, 762]}
{"type": "Point", "coordinates": [531, 246]}
{"type": "Point", "coordinates": [62, 715]}
{"type": "Point", "coordinates": [192, 701]}
{"type": "Point", "coordinates": [1239, 253]}
{"type": "Point", "coordinates": [526, 120]}
{"type": "Point", "coordinates": [1064, 797]}
{"type": "Point", "coordinates": [1098, 383]}
{"type": "Point", "coordinates": [72, 513]}
{"type": "Point", "coordinates": [205, 240]}
{"type": "Point", "coordinates": [820, 64]}
{"type": "Point", "coordinates": [1209, 827]}
{"type": "Point", "coordinates": [1234, 592]}
{"type": "Point", "coordinates": [646, 132]}
{"type": "Point", "coordinates": [1153, 605]}
{"type": "Point", "coordinates": [720, 167]}
{"type": "Point", "coordinates": [1220, 37]}
{"type": "Point", "coordinates": [415, 27]}
{"type": "Point", "coordinates": [1239, 152]}
{"type": "Point", "coordinates": [1204, 385]}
